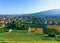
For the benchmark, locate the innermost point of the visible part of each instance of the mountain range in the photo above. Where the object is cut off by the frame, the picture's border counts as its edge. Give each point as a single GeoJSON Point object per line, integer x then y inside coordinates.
{"type": "Point", "coordinates": [54, 12]}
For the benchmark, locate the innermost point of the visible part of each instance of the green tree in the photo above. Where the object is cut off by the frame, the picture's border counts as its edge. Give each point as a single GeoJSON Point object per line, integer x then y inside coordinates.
{"type": "Point", "coordinates": [18, 24]}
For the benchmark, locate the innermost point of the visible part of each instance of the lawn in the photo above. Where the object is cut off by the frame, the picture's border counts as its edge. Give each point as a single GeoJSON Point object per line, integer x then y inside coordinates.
{"type": "Point", "coordinates": [21, 36]}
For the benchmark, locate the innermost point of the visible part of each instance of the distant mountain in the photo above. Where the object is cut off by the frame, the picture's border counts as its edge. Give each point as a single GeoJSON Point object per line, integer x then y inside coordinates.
{"type": "Point", "coordinates": [54, 12]}
{"type": "Point", "coordinates": [50, 12]}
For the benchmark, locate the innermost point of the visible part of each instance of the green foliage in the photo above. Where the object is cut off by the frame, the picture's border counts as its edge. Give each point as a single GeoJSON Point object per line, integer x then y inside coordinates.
{"type": "Point", "coordinates": [58, 37]}
{"type": "Point", "coordinates": [4, 29]}
{"type": "Point", "coordinates": [51, 35]}
{"type": "Point", "coordinates": [53, 31]}
{"type": "Point", "coordinates": [10, 25]}
{"type": "Point", "coordinates": [18, 24]}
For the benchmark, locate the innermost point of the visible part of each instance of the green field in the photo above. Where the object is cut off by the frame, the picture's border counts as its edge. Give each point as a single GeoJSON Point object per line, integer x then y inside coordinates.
{"type": "Point", "coordinates": [22, 36]}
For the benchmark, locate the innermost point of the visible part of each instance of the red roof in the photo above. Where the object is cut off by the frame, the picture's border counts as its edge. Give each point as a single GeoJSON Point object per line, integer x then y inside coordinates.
{"type": "Point", "coordinates": [5, 19]}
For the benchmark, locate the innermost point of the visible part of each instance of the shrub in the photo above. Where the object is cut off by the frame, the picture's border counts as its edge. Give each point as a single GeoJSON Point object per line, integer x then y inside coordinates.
{"type": "Point", "coordinates": [4, 29]}
{"type": "Point", "coordinates": [51, 35]}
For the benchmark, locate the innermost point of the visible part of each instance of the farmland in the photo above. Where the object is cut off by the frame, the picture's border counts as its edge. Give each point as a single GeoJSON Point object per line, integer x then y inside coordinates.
{"type": "Point", "coordinates": [54, 28]}
{"type": "Point", "coordinates": [57, 27]}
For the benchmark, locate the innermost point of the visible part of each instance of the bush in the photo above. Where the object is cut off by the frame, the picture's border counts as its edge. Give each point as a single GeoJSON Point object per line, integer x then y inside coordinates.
{"type": "Point", "coordinates": [58, 38]}
{"type": "Point", "coordinates": [51, 35]}
{"type": "Point", "coordinates": [23, 27]}
{"type": "Point", "coordinates": [4, 29]}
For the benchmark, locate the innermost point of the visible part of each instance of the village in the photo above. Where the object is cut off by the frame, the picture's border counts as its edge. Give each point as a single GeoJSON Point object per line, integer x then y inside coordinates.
{"type": "Point", "coordinates": [27, 22]}
{"type": "Point", "coordinates": [28, 27]}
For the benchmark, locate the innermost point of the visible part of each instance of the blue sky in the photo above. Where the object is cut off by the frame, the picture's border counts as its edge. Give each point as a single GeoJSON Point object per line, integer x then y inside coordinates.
{"type": "Point", "coordinates": [27, 6]}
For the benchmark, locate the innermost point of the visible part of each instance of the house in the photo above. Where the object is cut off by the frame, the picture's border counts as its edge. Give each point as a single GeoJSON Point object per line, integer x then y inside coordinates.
{"type": "Point", "coordinates": [4, 21]}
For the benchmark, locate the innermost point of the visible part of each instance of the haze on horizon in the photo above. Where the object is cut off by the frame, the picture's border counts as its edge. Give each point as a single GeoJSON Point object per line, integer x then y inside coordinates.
{"type": "Point", "coordinates": [27, 6]}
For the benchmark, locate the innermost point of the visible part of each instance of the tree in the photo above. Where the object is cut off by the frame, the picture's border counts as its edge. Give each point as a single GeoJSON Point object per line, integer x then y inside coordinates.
{"type": "Point", "coordinates": [10, 25]}
{"type": "Point", "coordinates": [18, 24]}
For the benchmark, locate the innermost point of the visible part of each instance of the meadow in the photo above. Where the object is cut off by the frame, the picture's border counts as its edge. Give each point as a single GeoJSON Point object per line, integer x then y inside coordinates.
{"type": "Point", "coordinates": [22, 36]}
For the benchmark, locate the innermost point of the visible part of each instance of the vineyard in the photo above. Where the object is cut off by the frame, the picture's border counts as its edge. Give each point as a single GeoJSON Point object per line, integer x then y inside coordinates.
{"type": "Point", "coordinates": [54, 29]}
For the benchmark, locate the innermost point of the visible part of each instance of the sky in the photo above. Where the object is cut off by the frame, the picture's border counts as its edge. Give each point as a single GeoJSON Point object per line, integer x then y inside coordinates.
{"type": "Point", "coordinates": [27, 6]}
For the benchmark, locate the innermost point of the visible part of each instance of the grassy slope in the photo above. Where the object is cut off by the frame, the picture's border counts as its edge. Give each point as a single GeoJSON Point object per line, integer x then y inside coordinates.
{"type": "Point", "coordinates": [22, 36]}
